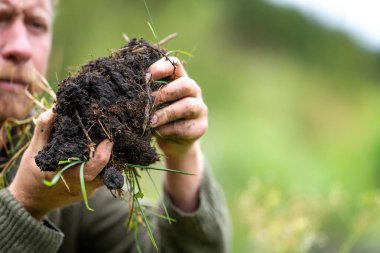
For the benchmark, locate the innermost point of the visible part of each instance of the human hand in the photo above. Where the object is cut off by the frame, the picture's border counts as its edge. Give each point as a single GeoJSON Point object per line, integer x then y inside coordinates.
{"type": "Point", "coordinates": [179, 127]}
{"type": "Point", "coordinates": [180, 124]}
{"type": "Point", "coordinates": [27, 186]}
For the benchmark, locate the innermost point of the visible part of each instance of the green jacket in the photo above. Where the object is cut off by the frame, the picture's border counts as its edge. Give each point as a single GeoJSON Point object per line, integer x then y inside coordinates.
{"type": "Point", "coordinates": [74, 229]}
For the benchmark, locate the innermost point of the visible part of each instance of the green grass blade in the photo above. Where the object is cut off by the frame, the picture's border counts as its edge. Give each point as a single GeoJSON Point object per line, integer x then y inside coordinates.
{"type": "Point", "coordinates": [164, 217]}
{"type": "Point", "coordinates": [8, 129]}
{"type": "Point", "coordinates": [162, 200]}
{"type": "Point", "coordinates": [157, 168]}
{"type": "Point", "coordinates": [71, 159]}
{"type": "Point", "coordinates": [132, 189]}
{"type": "Point", "coordinates": [83, 186]}
{"type": "Point", "coordinates": [154, 33]}
{"type": "Point", "coordinates": [135, 235]}
{"type": "Point", "coordinates": [150, 24]}
{"type": "Point", "coordinates": [161, 82]}
{"type": "Point", "coordinates": [137, 181]}
{"type": "Point", "coordinates": [21, 140]}
{"type": "Point", "coordinates": [59, 173]}
{"type": "Point", "coordinates": [179, 52]}
{"type": "Point", "coordinates": [146, 224]}
{"type": "Point", "coordinates": [75, 159]}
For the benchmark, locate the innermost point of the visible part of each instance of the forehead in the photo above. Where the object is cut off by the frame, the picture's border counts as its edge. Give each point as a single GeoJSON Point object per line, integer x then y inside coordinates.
{"type": "Point", "coordinates": [35, 6]}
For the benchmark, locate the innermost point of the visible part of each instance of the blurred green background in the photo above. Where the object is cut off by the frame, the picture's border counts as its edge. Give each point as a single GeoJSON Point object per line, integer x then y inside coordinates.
{"type": "Point", "coordinates": [294, 111]}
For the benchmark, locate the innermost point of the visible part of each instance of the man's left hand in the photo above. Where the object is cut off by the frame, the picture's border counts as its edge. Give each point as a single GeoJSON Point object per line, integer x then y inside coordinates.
{"type": "Point", "coordinates": [179, 127]}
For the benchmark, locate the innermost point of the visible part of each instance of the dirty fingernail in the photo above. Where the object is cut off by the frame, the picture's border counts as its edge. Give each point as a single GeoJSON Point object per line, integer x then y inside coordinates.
{"type": "Point", "coordinates": [153, 121]}
{"type": "Point", "coordinates": [148, 77]}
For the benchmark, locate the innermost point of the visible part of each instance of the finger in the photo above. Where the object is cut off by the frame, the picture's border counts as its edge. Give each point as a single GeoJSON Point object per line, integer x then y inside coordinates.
{"type": "Point", "coordinates": [100, 159]}
{"type": "Point", "coordinates": [71, 177]}
{"type": "Point", "coordinates": [98, 182]}
{"type": "Point", "coordinates": [184, 129]}
{"type": "Point", "coordinates": [177, 89]}
{"type": "Point", "coordinates": [42, 131]}
{"type": "Point", "coordinates": [186, 108]}
{"type": "Point", "coordinates": [167, 67]}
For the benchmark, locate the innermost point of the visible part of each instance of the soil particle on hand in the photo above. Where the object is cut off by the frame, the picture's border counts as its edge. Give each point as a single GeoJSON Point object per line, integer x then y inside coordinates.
{"type": "Point", "coordinates": [110, 98]}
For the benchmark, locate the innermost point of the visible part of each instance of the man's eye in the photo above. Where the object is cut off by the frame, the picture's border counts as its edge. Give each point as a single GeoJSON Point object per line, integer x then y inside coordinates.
{"type": "Point", "coordinates": [37, 26]}
{"type": "Point", "coordinates": [5, 19]}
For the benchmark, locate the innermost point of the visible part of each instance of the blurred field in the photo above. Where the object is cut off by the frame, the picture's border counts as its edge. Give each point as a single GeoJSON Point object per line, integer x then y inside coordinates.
{"type": "Point", "coordinates": [294, 112]}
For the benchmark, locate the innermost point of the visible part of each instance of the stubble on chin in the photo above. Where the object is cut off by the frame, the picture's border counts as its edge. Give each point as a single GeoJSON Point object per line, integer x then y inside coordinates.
{"type": "Point", "coordinates": [15, 106]}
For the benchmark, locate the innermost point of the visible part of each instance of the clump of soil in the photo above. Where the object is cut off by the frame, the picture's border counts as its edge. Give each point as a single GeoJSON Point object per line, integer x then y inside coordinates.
{"type": "Point", "coordinates": [110, 98]}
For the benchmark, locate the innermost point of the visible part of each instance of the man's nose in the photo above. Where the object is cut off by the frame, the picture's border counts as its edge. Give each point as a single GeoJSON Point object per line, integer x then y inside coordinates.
{"type": "Point", "coordinates": [17, 47]}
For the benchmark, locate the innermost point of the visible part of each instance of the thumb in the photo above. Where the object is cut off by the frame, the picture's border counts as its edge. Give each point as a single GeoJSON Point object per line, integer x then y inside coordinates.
{"type": "Point", "coordinates": [42, 130]}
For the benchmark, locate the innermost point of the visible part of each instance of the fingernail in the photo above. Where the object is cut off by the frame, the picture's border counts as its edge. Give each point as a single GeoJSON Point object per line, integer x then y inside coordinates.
{"type": "Point", "coordinates": [148, 77]}
{"type": "Point", "coordinates": [153, 121]}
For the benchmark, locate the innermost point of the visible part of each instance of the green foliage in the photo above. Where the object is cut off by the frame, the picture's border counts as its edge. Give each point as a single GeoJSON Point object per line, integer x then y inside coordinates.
{"type": "Point", "coordinates": [293, 223]}
{"type": "Point", "coordinates": [284, 29]}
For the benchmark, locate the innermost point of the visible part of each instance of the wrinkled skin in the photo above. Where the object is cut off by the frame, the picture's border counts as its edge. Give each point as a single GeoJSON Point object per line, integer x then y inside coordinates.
{"type": "Point", "coordinates": [26, 25]}
{"type": "Point", "coordinates": [25, 42]}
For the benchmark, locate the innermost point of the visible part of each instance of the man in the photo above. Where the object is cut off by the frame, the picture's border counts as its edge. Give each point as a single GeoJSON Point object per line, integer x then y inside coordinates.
{"type": "Point", "coordinates": [35, 218]}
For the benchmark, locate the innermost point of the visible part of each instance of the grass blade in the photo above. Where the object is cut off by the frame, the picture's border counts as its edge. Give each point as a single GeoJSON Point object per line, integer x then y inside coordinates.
{"type": "Point", "coordinates": [157, 168]}
{"type": "Point", "coordinates": [161, 82]}
{"type": "Point", "coordinates": [83, 186]}
{"type": "Point", "coordinates": [162, 200]}
{"type": "Point", "coordinates": [137, 181]}
{"type": "Point", "coordinates": [71, 159]}
{"type": "Point", "coordinates": [154, 33]}
{"type": "Point", "coordinates": [164, 217]}
{"type": "Point", "coordinates": [150, 24]}
{"type": "Point", "coordinates": [131, 191]}
{"type": "Point", "coordinates": [179, 52]}
{"type": "Point", "coordinates": [135, 235]}
{"type": "Point", "coordinates": [146, 224]}
{"type": "Point", "coordinates": [8, 129]}
{"type": "Point", "coordinates": [141, 211]}
{"type": "Point", "coordinates": [59, 173]}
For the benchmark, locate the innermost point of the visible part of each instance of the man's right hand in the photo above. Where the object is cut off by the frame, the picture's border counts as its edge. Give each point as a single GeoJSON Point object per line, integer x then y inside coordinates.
{"type": "Point", "coordinates": [28, 188]}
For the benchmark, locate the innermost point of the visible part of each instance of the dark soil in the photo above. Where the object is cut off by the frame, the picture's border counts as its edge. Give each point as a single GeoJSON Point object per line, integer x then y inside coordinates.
{"type": "Point", "coordinates": [110, 98]}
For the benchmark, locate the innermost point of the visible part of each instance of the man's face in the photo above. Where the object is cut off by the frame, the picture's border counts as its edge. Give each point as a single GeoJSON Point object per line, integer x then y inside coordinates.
{"type": "Point", "coordinates": [25, 42]}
